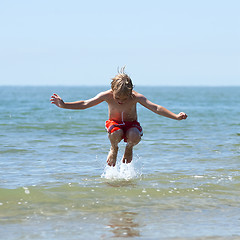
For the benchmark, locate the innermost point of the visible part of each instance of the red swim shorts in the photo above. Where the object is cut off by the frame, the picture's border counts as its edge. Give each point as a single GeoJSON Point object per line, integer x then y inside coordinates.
{"type": "Point", "coordinates": [112, 126]}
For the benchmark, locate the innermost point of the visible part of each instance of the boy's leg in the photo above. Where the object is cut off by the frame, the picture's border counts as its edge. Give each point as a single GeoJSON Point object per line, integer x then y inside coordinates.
{"type": "Point", "coordinates": [114, 138]}
{"type": "Point", "coordinates": [133, 138]}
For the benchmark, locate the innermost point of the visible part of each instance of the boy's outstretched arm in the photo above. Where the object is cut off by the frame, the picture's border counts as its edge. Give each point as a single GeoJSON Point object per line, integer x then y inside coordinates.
{"type": "Point", "coordinates": [159, 109]}
{"type": "Point", "coordinates": [57, 100]}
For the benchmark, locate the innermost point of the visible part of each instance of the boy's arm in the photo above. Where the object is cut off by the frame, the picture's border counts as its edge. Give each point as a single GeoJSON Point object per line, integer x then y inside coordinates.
{"type": "Point", "coordinates": [57, 100]}
{"type": "Point", "coordinates": [159, 109]}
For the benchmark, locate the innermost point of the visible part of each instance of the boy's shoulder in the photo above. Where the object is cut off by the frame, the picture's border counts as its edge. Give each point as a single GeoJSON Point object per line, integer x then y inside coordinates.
{"type": "Point", "coordinates": [137, 95]}
{"type": "Point", "coordinates": [105, 95]}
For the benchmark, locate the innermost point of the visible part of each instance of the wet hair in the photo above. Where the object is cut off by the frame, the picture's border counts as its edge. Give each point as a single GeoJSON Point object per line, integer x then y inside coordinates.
{"type": "Point", "coordinates": [122, 83]}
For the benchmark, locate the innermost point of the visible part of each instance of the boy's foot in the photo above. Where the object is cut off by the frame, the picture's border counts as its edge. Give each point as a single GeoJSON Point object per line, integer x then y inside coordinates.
{"type": "Point", "coordinates": [128, 154]}
{"type": "Point", "coordinates": [112, 156]}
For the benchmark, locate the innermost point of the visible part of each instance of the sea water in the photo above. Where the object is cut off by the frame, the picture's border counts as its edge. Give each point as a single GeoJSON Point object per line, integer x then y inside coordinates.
{"type": "Point", "coordinates": [183, 183]}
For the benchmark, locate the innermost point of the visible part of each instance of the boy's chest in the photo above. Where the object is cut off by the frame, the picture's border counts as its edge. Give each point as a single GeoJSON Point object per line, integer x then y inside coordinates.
{"type": "Point", "coordinates": [127, 108]}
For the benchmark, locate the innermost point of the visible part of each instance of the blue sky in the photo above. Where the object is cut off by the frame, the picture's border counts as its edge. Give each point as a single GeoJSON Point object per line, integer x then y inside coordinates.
{"type": "Point", "coordinates": [169, 43]}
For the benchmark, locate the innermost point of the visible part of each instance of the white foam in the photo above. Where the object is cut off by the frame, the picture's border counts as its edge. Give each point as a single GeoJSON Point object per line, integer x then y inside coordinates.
{"type": "Point", "coordinates": [121, 171]}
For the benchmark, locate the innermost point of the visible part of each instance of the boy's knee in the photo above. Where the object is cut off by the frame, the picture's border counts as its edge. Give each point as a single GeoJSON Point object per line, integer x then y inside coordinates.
{"type": "Point", "coordinates": [133, 136]}
{"type": "Point", "coordinates": [116, 136]}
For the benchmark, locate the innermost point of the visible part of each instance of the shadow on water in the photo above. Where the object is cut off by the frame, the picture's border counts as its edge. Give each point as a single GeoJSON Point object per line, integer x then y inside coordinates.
{"type": "Point", "coordinates": [123, 224]}
{"type": "Point", "coordinates": [121, 183]}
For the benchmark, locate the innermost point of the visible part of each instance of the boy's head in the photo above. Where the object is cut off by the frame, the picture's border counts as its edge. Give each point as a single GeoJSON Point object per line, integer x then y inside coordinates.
{"type": "Point", "coordinates": [122, 84]}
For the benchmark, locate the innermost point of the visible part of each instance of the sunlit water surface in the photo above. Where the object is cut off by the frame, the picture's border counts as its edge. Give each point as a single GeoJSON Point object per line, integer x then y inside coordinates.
{"type": "Point", "coordinates": [184, 181]}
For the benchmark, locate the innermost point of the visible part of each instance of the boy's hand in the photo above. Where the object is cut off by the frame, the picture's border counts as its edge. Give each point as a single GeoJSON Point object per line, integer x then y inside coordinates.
{"type": "Point", "coordinates": [55, 99]}
{"type": "Point", "coordinates": [181, 116]}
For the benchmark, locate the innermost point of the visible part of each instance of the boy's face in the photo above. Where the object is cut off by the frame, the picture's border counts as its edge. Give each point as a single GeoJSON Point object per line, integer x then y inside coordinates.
{"type": "Point", "coordinates": [120, 98]}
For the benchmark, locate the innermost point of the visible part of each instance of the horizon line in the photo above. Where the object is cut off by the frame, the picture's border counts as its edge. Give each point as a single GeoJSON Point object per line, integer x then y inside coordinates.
{"type": "Point", "coordinates": [97, 85]}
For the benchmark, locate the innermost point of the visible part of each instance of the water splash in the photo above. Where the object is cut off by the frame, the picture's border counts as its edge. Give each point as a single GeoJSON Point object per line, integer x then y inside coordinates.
{"type": "Point", "coordinates": [121, 171]}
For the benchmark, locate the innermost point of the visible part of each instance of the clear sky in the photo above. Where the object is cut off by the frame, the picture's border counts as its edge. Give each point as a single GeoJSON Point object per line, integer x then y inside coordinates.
{"type": "Point", "coordinates": [79, 42]}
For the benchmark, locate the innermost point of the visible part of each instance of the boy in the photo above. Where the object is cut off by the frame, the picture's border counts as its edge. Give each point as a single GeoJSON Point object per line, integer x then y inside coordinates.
{"type": "Point", "coordinates": [122, 123]}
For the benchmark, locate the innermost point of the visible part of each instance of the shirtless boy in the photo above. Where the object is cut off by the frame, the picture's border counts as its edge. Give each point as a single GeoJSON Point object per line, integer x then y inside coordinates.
{"type": "Point", "coordinates": [122, 123]}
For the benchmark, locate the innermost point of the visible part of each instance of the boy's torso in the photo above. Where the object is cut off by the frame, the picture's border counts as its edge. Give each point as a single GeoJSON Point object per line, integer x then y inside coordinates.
{"type": "Point", "coordinates": [122, 112]}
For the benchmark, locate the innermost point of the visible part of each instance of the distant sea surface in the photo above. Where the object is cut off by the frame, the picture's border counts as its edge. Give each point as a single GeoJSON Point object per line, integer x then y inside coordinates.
{"type": "Point", "coordinates": [183, 183]}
